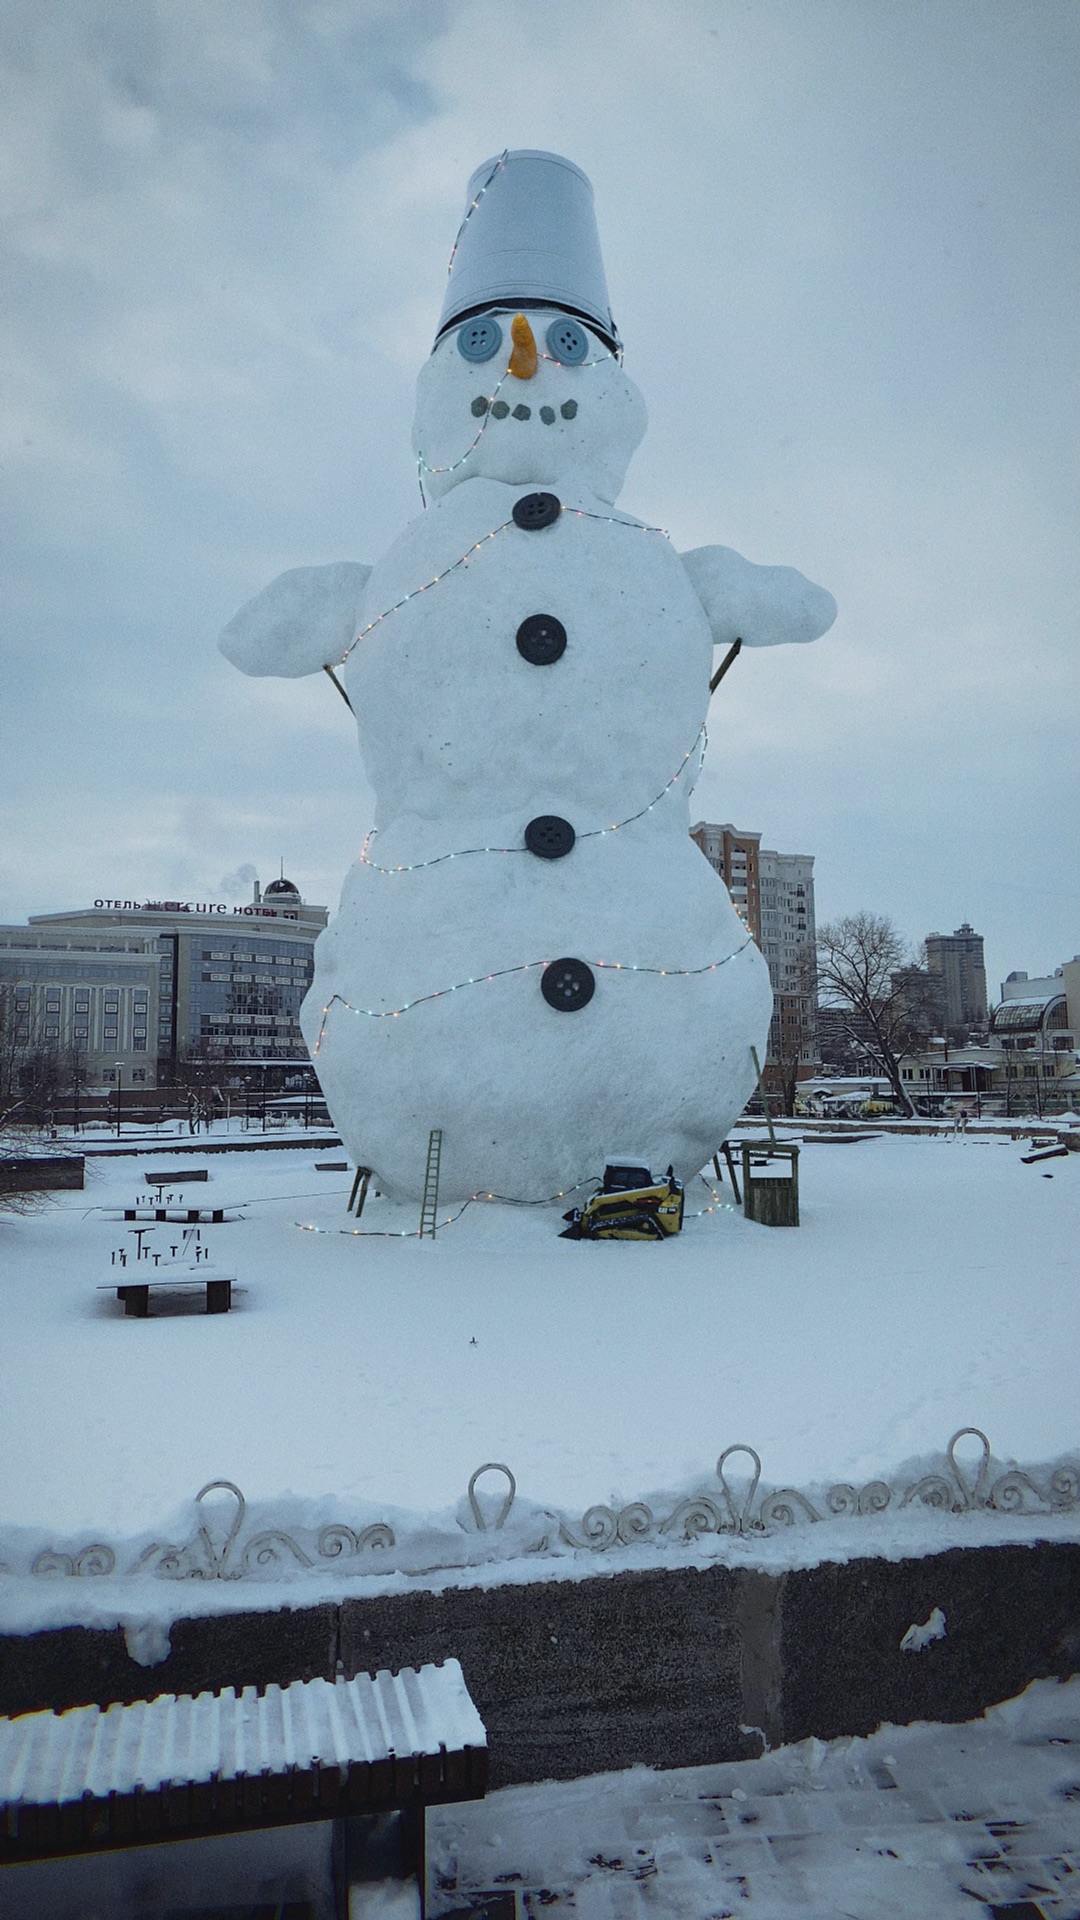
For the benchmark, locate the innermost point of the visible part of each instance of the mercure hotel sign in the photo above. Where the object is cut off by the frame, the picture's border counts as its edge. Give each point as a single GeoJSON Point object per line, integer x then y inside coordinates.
{"type": "Point", "coordinates": [196, 906]}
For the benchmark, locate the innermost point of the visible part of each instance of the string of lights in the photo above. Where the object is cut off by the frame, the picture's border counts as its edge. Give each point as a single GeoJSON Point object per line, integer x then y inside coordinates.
{"type": "Point", "coordinates": [426, 588]}
{"type": "Point", "coordinates": [472, 206]}
{"type": "Point", "coordinates": [581, 513]}
{"type": "Point", "coordinates": [424, 467]}
{"type": "Point", "coordinates": [413, 1233]}
{"type": "Point", "coordinates": [421, 463]}
{"type": "Point", "coordinates": [592, 833]}
{"type": "Point", "coordinates": [718, 1206]}
{"type": "Point", "coordinates": [500, 973]}
{"type": "Point", "coordinates": [502, 1200]}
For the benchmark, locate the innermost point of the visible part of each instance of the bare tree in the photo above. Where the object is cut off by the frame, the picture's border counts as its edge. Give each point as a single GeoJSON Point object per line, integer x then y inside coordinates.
{"type": "Point", "coordinates": [33, 1073]}
{"type": "Point", "coordinates": [865, 969]}
{"type": "Point", "coordinates": [791, 1034]}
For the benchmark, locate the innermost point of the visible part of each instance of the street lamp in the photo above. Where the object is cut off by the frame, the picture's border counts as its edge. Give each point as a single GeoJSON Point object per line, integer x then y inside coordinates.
{"type": "Point", "coordinates": [119, 1084]}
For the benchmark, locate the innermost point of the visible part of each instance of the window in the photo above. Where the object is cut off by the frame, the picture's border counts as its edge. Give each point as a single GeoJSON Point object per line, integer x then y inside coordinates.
{"type": "Point", "coordinates": [140, 1045]}
{"type": "Point", "coordinates": [138, 1073]}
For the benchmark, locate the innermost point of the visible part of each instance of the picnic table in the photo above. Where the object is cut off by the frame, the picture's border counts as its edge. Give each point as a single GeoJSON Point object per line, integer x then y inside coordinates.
{"type": "Point", "coordinates": [135, 1294]}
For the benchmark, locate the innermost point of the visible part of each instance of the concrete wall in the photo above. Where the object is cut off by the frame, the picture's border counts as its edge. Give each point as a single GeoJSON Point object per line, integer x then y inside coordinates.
{"type": "Point", "coordinates": [665, 1667]}
{"type": "Point", "coordinates": [41, 1173]}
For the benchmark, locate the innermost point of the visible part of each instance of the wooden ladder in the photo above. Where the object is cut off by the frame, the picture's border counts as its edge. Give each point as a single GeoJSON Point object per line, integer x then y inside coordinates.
{"type": "Point", "coordinates": [430, 1207]}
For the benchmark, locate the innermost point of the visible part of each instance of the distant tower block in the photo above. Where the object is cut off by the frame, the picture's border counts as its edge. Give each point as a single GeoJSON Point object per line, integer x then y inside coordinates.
{"type": "Point", "coordinates": [958, 958]}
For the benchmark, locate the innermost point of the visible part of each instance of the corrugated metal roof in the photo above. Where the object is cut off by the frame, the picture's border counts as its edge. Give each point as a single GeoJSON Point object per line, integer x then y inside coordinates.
{"type": "Point", "coordinates": [50, 1758]}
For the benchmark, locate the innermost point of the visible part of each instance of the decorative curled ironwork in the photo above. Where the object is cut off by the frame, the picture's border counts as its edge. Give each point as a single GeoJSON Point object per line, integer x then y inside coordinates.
{"type": "Point", "coordinates": [953, 1490]}
{"type": "Point", "coordinates": [962, 1495]}
{"type": "Point", "coordinates": [1065, 1488]}
{"type": "Point", "coordinates": [741, 1521]}
{"type": "Point", "coordinates": [694, 1517]}
{"type": "Point", "coordinates": [492, 1466]}
{"type": "Point", "coordinates": [337, 1540]}
{"type": "Point", "coordinates": [604, 1527]}
{"type": "Point", "coordinates": [782, 1508]}
{"type": "Point", "coordinates": [227, 1552]}
{"type": "Point", "coordinates": [97, 1559]}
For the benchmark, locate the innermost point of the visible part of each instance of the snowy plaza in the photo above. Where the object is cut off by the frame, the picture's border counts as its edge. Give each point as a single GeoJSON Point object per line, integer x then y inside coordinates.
{"type": "Point", "coordinates": [363, 1375]}
{"type": "Point", "coordinates": [361, 1378]}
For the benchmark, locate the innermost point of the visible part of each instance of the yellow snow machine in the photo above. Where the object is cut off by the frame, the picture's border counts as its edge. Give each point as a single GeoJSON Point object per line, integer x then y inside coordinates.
{"type": "Point", "coordinates": [630, 1205]}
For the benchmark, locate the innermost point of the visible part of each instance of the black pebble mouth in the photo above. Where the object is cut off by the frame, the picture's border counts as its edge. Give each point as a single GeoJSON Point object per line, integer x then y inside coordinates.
{"type": "Point", "coordinates": [499, 410]}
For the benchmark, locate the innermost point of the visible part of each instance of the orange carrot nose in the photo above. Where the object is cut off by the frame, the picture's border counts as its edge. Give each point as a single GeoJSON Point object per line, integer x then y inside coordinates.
{"type": "Point", "coordinates": [523, 361]}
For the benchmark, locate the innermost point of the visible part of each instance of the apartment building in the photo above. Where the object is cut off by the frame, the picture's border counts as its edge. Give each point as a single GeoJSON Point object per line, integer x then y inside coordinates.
{"type": "Point", "coordinates": [958, 958]}
{"type": "Point", "coordinates": [773, 893]}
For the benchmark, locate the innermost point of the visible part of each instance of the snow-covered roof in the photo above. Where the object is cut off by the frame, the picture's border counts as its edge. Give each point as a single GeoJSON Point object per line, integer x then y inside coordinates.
{"type": "Point", "coordinates": [49, 1758]}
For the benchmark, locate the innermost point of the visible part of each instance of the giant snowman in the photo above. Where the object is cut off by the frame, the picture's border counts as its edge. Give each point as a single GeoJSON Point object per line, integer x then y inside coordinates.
{"type": "Point", "coordinates": [531, 953]}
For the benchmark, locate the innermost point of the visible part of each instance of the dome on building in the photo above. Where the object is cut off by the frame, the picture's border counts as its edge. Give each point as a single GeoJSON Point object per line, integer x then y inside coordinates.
{"type": "Point", "coordinates": [279, 887]}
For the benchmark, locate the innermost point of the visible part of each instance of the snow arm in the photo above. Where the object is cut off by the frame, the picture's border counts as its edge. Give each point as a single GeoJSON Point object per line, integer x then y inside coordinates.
{"type": "Point", "coordinates": [761, 606]}
{"type": "Point", "coordinates": [304, 620]}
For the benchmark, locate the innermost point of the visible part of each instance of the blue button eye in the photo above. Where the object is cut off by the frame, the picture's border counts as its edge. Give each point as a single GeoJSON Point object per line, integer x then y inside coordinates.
{"type": "Point", "coordinates": [479, 339]}
{"type": "Point", "coordinates": [567, 342]}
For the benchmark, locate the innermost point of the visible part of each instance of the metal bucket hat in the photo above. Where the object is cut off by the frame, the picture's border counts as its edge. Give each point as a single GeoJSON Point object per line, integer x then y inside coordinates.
{"type": "Point", "coordinates": [529, 239]}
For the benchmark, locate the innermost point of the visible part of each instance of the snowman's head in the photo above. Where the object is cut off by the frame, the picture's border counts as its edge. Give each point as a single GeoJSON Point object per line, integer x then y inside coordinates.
{"type": "Point", "coordinates": [532, 398]}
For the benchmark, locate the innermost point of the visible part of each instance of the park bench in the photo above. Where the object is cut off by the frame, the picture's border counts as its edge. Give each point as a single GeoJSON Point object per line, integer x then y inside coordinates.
{"type": "Point", "coordinates": [135, 1294]}
{"type": "Point", "coordinates": [188, 1766]}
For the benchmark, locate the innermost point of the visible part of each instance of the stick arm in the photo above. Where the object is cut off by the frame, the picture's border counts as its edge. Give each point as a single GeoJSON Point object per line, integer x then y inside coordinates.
{"type": "Point", "coordinates": [304, 620]}
{"type": "Point", "coordinates": [761, 606]}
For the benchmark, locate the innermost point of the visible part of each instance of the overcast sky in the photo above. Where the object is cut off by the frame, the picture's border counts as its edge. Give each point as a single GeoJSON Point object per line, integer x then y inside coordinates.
{"type": "Point", "coordinates": [841, 244]}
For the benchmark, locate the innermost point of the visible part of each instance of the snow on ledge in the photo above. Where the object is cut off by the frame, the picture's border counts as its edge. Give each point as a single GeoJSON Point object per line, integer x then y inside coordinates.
{"type": "Point", "coordinates": [226, 1555]}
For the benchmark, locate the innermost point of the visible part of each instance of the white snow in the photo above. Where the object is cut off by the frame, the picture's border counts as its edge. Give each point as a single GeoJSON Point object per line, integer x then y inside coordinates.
{"type": "Point", "coordinates": [915, 1823]}
{"type": "Point", "coordinates": [923, 1634]}
{"type": "Point", "coordinates": [919, 1822]}
{"type": "Point", "coordinates": [931, 1286]}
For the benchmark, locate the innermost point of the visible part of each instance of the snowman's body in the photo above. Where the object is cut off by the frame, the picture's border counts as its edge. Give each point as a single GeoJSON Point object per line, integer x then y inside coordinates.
{"type": "Point", "coordinates": [428, 1007]}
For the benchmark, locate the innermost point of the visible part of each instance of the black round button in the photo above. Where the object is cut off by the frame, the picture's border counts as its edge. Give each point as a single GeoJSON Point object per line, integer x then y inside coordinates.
{"type": "Point", "coordinates": [536, 510]}
{"type": "Point", "coordinates": [541, 639]}
{"type": "Point", "coordinates": [567, 985]}
{"type": "Point", "coordinates": [549, 837]}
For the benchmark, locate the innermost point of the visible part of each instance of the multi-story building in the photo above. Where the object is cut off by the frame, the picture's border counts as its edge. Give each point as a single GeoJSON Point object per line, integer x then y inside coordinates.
{"type": "Point", "coordinates": [734, 856]}
{"type": "Point", "coordinates": [774, 894]}
{"type": "Point", "coordinates": [958, 958]}
{"type": "Point", "coordinates": [144, 985]}
{"type": "Point", "coordinates": [1037, 1024]}
{"type": "Point", "coordinates": [89, 998]}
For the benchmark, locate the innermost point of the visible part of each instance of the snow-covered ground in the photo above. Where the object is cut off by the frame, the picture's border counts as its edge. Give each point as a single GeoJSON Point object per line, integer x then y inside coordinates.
{"type": "Point", "coordinates": [930, 1287]}
{"type": "Point", "coordinates": [914, 1823]}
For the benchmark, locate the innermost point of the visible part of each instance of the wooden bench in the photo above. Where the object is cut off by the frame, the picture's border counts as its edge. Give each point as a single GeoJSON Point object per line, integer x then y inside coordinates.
{"type": "Point", "coordinates": [187, 1766]}
{"type": "Point", "coordinates": [135, 1294]}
